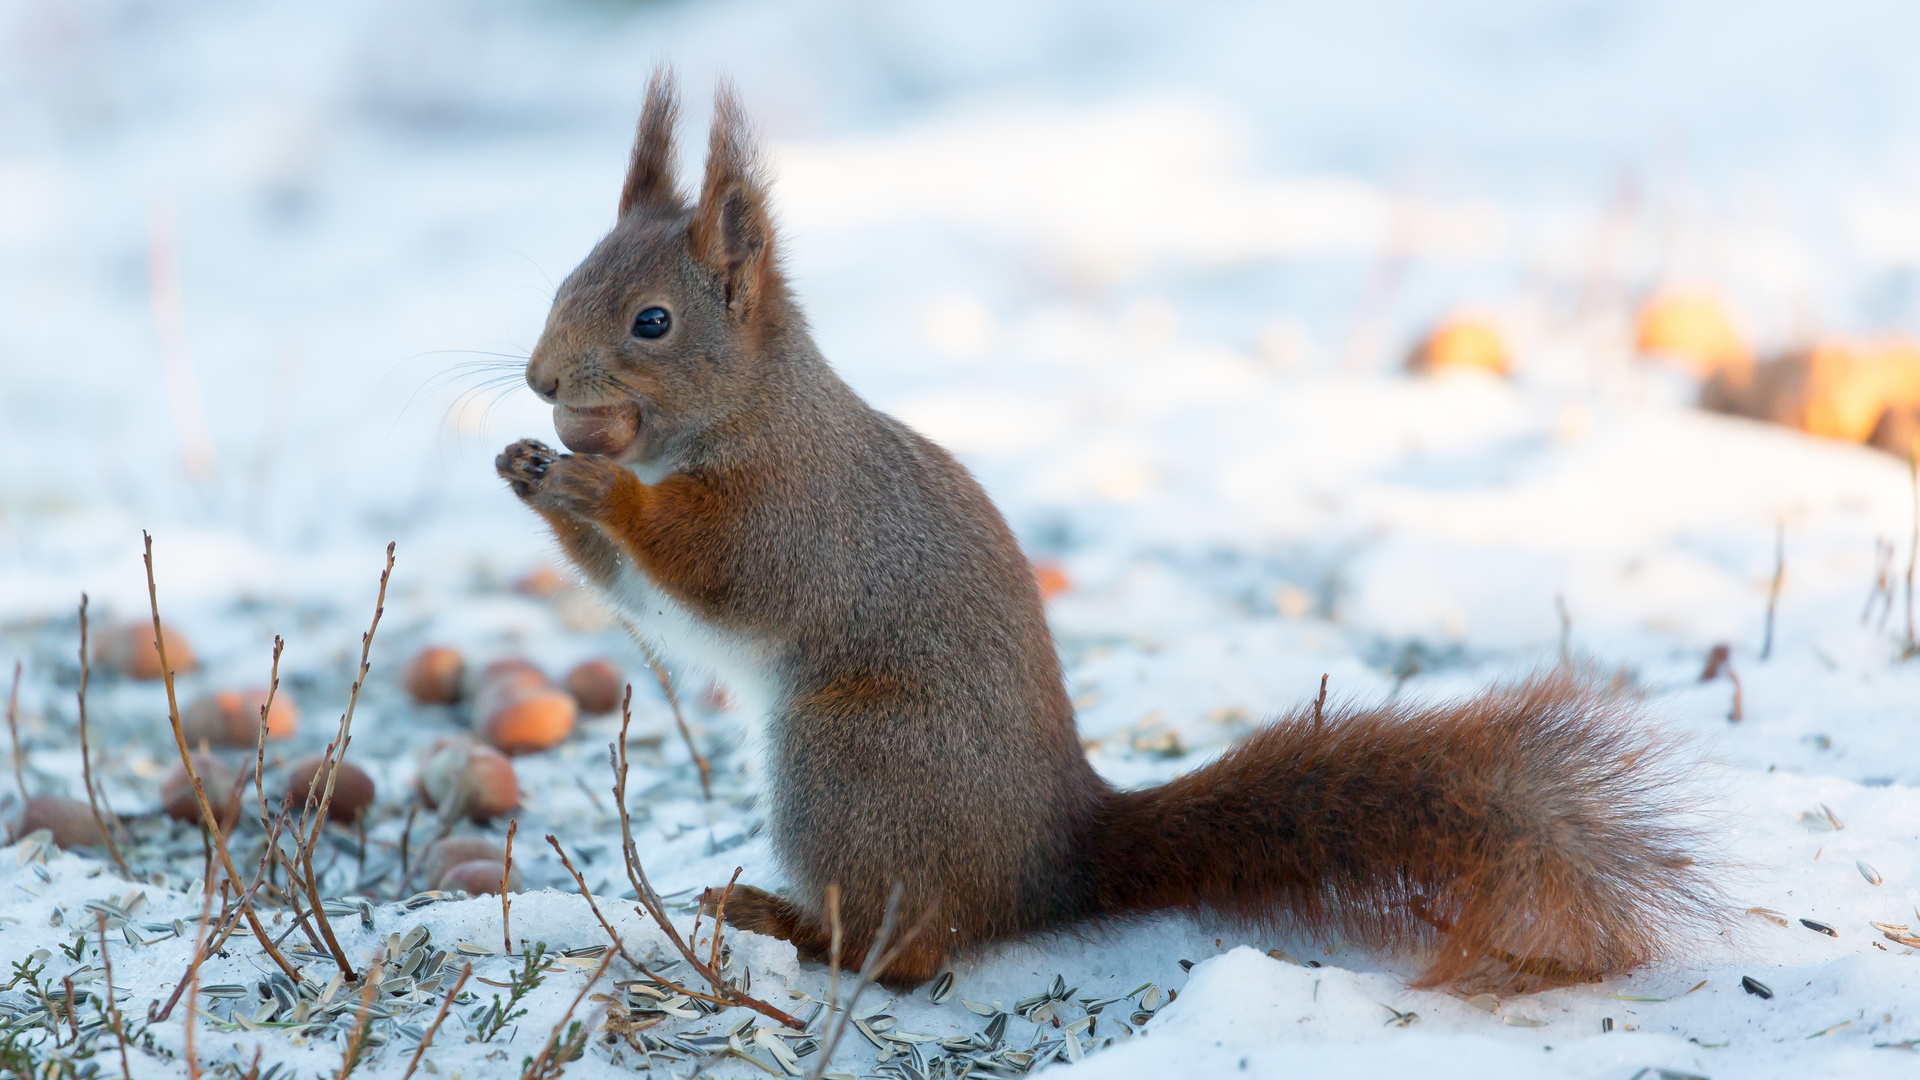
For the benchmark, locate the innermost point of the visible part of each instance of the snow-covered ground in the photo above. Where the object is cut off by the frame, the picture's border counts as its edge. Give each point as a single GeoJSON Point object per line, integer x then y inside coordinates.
{"type": "Point", "coordinates": [1149, 269]}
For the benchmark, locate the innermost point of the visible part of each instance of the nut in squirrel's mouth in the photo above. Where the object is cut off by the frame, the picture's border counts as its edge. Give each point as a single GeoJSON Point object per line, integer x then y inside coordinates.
{"type": "Point", "coordinates": [603, 429]}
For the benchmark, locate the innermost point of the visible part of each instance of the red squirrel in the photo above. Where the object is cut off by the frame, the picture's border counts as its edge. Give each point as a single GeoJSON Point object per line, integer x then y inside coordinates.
{"type": "Point", "coordinates": [747, 511]}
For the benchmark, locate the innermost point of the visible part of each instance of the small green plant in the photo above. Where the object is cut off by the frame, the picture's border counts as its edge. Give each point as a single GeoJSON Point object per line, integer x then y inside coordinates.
{"type": "Point", "coordinates": [531, 974]}
{"type": "Point", "coordinates": [569, 1048]}
{"type": "Point", "coordinates": [77, 949]}
{"type": "Point", "coordinates": [27, 971]}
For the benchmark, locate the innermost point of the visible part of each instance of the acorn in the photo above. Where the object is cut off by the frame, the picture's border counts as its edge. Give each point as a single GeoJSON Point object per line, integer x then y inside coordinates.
{"type": "Point", "coordinates": [176, 792]}
{"type": "Point", "coordinates": [478, 780]}
{"type": "Point", "coordinates": [352, 788]}
{"type": "Point", "coordinates": [232, 717]}
{"type": "Point", "coordinates": [480, 877]}
{"type": "Point", "coordinates": [448, 852]}
{"type": "Point", "coordinates": [434, 675]}
{"type": "Point", "coordinates": [1693, 328]}
{"type": "Point", "coordinates": [519, 711]}
{"type": "Point", "coordinates": [1897, 431]}
{"type": "Point", "coordinates": [128, 650]}
{"type": "Point", "coordinates": [596, 685]}
{"type": "Point", "coordinates": [541, 583]}
{"type": "Point", "coordinates": [1461, 343]}
{"type": "Point", "coordinates": [70, 820]}
{"type": "Point", "coordinates": [1836, 389]}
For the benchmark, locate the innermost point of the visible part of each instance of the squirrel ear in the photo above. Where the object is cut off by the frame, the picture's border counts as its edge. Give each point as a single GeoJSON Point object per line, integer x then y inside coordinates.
{"type": "Point", "coordinates": [650, 172]}
{"type": "Point", "coordinates": [732, 232]}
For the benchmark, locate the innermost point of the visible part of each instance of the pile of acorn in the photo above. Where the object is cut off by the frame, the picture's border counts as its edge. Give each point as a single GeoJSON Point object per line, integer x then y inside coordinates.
{"type": "Point", "coordinates": [514, 707]}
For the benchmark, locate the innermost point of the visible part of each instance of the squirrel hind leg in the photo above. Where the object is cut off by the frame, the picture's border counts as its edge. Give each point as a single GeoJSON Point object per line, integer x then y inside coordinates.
{"type": "Point", "coordinates": [762, 912]}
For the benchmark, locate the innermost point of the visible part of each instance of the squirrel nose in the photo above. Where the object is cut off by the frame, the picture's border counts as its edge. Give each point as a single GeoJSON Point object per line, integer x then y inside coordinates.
{"type": "Point", "coordinates": [548, 388]}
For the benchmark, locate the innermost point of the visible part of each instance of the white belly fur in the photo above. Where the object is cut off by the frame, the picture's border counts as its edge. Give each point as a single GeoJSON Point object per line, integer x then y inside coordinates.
{"type": "Point", "coordinates": [744, 666]}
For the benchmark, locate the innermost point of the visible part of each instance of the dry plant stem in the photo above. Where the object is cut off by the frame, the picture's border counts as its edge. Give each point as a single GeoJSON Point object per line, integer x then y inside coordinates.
{"type": "Point", "coordinates": [506, 875]}
{"type": "Point", "coordinates": [406, 836]}
{"type": "Point", "coordinates": [73, 1023]}
{"type": "Point", "coordinates": [260, 742]}
{"type": "Point", "coordinates": [439, 1018]}
{"type": "Point", "coordinates": [186, 759]}
{"type": "Point", "coordinates": [686, 733]}
{"type": "Point", "coordinates": [13, 729]}
{"type": "Point", "coordinates": [650, 900]}
{"type": "Point", "coordinates": [1773, 591]}
{"type": "Point", "coordinates": [537, 1068]}
{"type": "Point", "coordinates": [833, 947]}
{"type": "Point", "coordinates": [86, 754]}
{"type": "Point", "coordinates": [199, 948]}
{"type": "Point", "coordinates": [877, 956]}
{"type": "Point", "coordinates": [720, 920]}
{"type": "Point", "coordinates": [1739, 711]}
{"type": "Point", "coordinates": [1320, 703]}
{"type": "Point", "coordinates": [1913, 550]}
{"type": "Point", "coordinates": [310, 827]}
{"type": "Point", "coordinates": [370, 981]}
{"type": "Point", "coordinates": [618, 945]}
{"type": "Point", "coordinates": [113, 1006]}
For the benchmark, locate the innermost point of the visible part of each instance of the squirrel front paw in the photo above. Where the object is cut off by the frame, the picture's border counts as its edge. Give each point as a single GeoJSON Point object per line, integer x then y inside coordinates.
{"type": "Point", "coordinates": [577, 484]}
{"type": "Point", "coordinates": [524, 465]}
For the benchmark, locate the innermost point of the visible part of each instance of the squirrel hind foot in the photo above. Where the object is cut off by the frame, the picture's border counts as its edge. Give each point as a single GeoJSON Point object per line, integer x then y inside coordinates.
{"type": "Point", "coordinates": [762, 912]}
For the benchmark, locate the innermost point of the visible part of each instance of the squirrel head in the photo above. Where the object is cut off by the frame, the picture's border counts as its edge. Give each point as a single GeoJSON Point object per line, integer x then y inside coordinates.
{"type": "Point", "coordinates": [671, 325]}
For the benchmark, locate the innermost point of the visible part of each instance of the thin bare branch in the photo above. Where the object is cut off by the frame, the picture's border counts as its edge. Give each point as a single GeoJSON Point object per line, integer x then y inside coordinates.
{"type": "Point", "coordinates": [113, 1006]}
{"type": "Point", "coordinates": [466, 972]}
{"type": "Point", "coordinates": [686, 733]}
{"type": "Point", "coordinates": [538, 1069]}
{"type": "Point", "coordinates": [13, 729]}
{"type": "Point", "coordinates": [876, 951]}
{"type": "Point", "coordinates": [186, 760]}
{"type": "Point", "coordinates": [650, 900]}
{"type": "Point", "coordinates": [86, 752]}
{"type": "Point", "coordinates": [260, 741]}
{"type": "Point", "coordinates": [506, 878]}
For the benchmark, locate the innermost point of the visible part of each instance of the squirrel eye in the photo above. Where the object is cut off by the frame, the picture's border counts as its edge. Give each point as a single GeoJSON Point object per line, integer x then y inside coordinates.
{"type": "Point", "coordinates": [651, 322]}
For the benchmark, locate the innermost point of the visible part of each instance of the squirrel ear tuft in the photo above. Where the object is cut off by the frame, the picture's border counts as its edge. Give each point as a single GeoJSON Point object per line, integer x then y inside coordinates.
{"type": "Point", "coordinates": [732, 231]}
{"type": "Point", "coordinates": [650, 172]}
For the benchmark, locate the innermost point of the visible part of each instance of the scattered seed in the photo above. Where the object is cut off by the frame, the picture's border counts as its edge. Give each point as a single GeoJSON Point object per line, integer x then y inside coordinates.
{"type": "Point", "coordinates": [1285, 956]}
{"type": "Point", "coordinates": [1868, 872]}
{"type": "Point", "coordinates": [1772, 916]}
{"type": "Point", "coordinates": [1755, 987]}
{"type": "Point", "coordinates": [942, 989]}
{"type": "Point", "coordinates": [1820, 928]}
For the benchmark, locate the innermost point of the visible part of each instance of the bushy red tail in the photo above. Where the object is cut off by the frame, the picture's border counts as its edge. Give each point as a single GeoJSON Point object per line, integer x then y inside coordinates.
{"type": "Point", "coordinates": [1537, 830]}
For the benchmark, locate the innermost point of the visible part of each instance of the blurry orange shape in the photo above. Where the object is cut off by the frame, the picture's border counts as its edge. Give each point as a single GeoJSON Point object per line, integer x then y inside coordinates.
{"type": "Point", "coordinates": [541, 583]}
{"type": "Point", "coordinates": [1462, 343]}
{"type": "Point", "coordinates": [1693, 328]}
{"type": "Point", "coordinates": [1051, 578]}
{"type": "Point", "coordinates": [1837, 389]}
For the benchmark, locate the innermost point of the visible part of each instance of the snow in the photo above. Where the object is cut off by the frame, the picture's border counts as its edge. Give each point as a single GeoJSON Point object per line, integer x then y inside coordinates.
{"type": "Point", "coordinates": [1149, 269]}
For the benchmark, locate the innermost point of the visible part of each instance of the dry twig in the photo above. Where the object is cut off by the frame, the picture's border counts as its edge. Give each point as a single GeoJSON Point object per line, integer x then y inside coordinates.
{"type": "Point", "coordinates": [314, 817]}
{"type": "Point", "coordinates": [1773, 591]}
{"type": "Point", "coordinates": [1320, 703]}
{"type": "Point", "coordinates": [426, 1040]}
{"type": "Point", "coordinates": [880, 953]}
{"type": "Point", "coordinates": [13, 729]}
{"type": "Point", "coordinates": [260, 741]}
{"type": "Point", "coordinates": [86, 753]}
{"type": "Point", "coordinates": [650, 900]}
{"type": "Point", "coordinates": [199, 789]}
{"type": "Point", "coordinates": [369, 982]}
{"type": "Point", "coordinates": [538, 1069]}
{"type": "Point", "coordinates": [618, 945]}
{"type": "Point", "coordinates": [686, 733]}
{"type": "Point", "coordinates": [113, 1006]}
{"type": "Point", "coordinates": [506, 877]}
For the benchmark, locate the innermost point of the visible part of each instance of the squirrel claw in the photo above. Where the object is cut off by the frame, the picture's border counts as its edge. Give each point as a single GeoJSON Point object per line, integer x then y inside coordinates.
{"type": "Point", "coordinates": [524, 464]}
